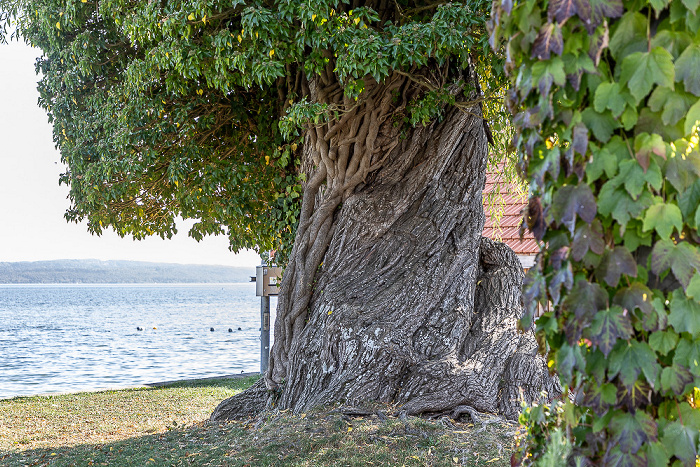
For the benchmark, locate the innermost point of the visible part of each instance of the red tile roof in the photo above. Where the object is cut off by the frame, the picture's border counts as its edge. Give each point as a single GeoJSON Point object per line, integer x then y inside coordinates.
{"type": "Point", "coordinates": [507, 229]}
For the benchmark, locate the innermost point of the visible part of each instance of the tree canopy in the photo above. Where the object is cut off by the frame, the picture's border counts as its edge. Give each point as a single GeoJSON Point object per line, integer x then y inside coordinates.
{"type": "Point", "coordinates": [194, 108]}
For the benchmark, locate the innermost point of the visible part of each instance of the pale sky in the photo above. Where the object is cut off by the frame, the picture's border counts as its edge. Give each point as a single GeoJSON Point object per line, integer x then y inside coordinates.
{"type": "Point", "coordinates": [32, 227]}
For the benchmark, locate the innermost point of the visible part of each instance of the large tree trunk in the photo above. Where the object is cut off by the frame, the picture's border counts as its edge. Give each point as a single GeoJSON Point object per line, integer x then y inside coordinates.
{"type": "Point", "coordinates": [391, 294]}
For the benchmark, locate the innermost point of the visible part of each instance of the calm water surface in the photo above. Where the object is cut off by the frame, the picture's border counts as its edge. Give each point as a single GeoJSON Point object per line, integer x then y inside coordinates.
{"type": "Point", "coordinates": [64, 338]}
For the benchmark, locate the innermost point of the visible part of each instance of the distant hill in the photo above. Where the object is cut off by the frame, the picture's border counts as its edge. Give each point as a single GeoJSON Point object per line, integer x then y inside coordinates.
{"type": "Point", "coordinates": [117, 272]}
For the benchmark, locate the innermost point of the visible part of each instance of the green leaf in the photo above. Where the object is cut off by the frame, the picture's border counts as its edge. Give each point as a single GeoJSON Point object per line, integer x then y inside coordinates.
{"type": "Point", "coordinates": [673, 105]}
{"type": "Point", "coordinates": [570, 201]}
{"type": "Point", "coordinates": [683, 259]}
{"type": "Point", "coordinates": [689, 200]}
{"type": "Point", "coordinates": [656, 454]}
{"type": "Point", "coordinates": [687, 66]}
{"type": "Point", "coordinates": [685, 314]}
{"type": "Point", "coordinates": [645, 145]}
{"type": "Point", "coordinates": [585, 299]}
{"type": "Point", "coordinates": [681, 440]}
{"type": "Point", "coordinates": [635, 297]}
{"type": "Point", "coordinates": [692, 119]}
{"type": "Point", "coordinates": [635, 177]}
{"type": "Point", "coordinates": [630, 36]}
{"type": "Point", "coordinates": [601, 124]}
{"type": "Point", "coordinates": [631, 431]}
{"type": "Point", "coordinates": [691, 5]}
{"type": "Point", "coordinates": [682, 171]}
{"type": "Point", "coordinates": [629, 359]}
{"type": "Point", "coordinates": [546, 73]}
{"type": "Point", "coordinates": [618, 203]}
{"type": "Point", "coordinates": [614, 264]}
{"type": "Point", "coordinates": [688, 354]}
{"type": "Point", "coordinates": [663, 218]}
{"type": "Point", "coordinates": [675, 378]}
{"type": "Point", "coordinates": [641, 70]}
{"type": "Point", "coordinates": [609, 96]}
{"type": "Point", "coordinates": [600, 397]}
{"type": "Point", "coordinates": [608, 326]}
{"type": "Point", "coordinates": [663, 341]}
{"type": "Point", "coordinates": [693, 290]}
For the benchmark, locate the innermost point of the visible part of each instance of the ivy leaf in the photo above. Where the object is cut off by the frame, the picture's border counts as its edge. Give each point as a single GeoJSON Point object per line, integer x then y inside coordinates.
{"type": "Point", "coordinates": [681, 440]}
{"type": "Point", "coordinates": [615, 456]}
{"type": "Point", "coordinates": [585, 299]}
{"type": "Point", "coordinates": [548, 40]}
{"type": "Point", "coordinates": [601, 9]}
{"type": "Point", "coordinates": [636, 296]}
{"type": "Point", "coordinates": [618, 203]}
{"type": "Point", "coordinates": [685, 314]}
{"type": "Point", "coordinates": [629, 359]}
{"type": "Point", "coordinates": [609, 96]}
{"type": "Point", "coordinates": [691, 5]}
{"type": "Point", "coordinates": [601, 124]}
{"type": "Point", "coordinates": [663, 341]}
{"type": "Point", "coordinates": [547, 73]}
{"type": "Point", "coordinates": [656, 454]}
{"type": "Point", "coordinates": [608, 326]}
{"type": "Point", "coordinates": [634, 177]}
{"type": "Point", "coordinates": [615, 263]}
{"type": "Point", "coordinates": [687, 66]}
{"type": "Point", "coordinates": [564, 276]}
{"type": "Point", "coordinates": [631, 431]}
{"type": "Point", "coordinates": [673, 105]}
{"type": "Point", "coordinates": [663, 217]}
{"type": "Point", "coordinates": [641, 70]}
{"type": "Point", "coordinates": [561, 10]}
{"type": "Point", "coordinates": [689, 200]}
{"type": "Point", "coordinates": [683, 259]}
{"type": "Point", "coordinates": [638, 395]}
{"type": "Point", "coordinates": [570, 201]}
{"type": "Point", "coordinates": [587, 237]}
{"type": "Point", "coordinates": [693, 290]}
{"type": "Point", "coordinates": [692, 118]}
{"type": "Point", "coordinates": [676, 378]}
{"type": "Point", "coordinates": [688, 354]}
{"type": "Point", "coordinates": [645, 145]}
{"type": "Point", "coordinates": [580, 139]}
{"type": "Point", "coordinates": [630, 36]}
{"type": "Point", "coordinates": [600, 397]}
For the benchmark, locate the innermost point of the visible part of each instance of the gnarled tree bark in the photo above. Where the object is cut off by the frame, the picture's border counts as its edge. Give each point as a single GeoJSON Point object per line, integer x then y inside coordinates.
{"type": "Point", "coordinates": [391, 294]}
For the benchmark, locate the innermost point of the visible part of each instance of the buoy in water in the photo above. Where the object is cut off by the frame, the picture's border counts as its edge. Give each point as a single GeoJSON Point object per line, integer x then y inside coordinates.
{"type": "Point", "coordinates": [230, 330]}
{"type": "Point", "coordinates": [139, 328]}
{"type": "Point", "coordinates": [155, 327]}
{"type": "Point", "coordinates": [239, 329]}
{"type": "Point", "coordinates": [211, 329]}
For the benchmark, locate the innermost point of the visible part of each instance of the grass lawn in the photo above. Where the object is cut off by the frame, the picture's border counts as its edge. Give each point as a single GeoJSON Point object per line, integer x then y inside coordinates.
{"type": "Point", "coordinates": [166, 426]}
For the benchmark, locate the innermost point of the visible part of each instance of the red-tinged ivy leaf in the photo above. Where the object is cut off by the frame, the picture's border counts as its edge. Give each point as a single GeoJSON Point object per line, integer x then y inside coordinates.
{"type": "Point", "coordinates": [663, 217]}
{"type": "Point", "coordinates": [630, 36]}
{"type": "Point", "coordinates": [600, 42]}
{"type": "Point", "coordinates": [683, 259]}
{"type": "Point", "coordinates": [544, 74]}
{"type": "Point", "coordinates": [693, 290]}
{"type": "Point", "coordinates": [570, 201]}
{"type": "Point", "coordinates": [601, 9]}
{"type": "Point", "coordinates": [561, 10]}
{"type": "Point", "coordinates": [535, 218]}
{"type": "Point", "coordinates": [676, 378]}
{"type": "Point", "coordinates": [663, 341]}
{"type": "Point", "coordinates": [641, 70]}
{"type": "Point", "coordinates": [682, 441]}
{"type": "Point", "coordinates": [608, 326]}
{"type": "Point", "coordinates": [585, 299]}
{"type": "Point", "coordinates": [636, 296]}
{"type": "Point", "coordinates": [587, 237]}
{"type": "Point", "coordinates": [564, 276]}
{"type": "Point", "coordinates": [638, 395]}
{"type": "Point", "coordinates": [609, 96]}
{"type": "Point", "coordinates": [692, 118]}
{"type": "Point", "coordinates": [618, 203]}
{"type": "Point", "coordinates": [614, 264]}
{"type": "Point", "coordinates": [599, 397]}
{"type": "Point", "coordinates": [534, 287]}
{"type": "Point", "coordinates": [629, 359]}
{"type": "Point", "coordinates": [645, 145]}
{"type": "Point", "coordinates": [689, 200]}
{"type": "Point", "coordinates": [568, 357]}
{"type": "Point", "coordinates": [549, 40]}
{"type": "Point", "coordinates": [688, 354]}
{"type": "Point", "coordinates": [601, 124]}
{"type": "Point", "coordinates": [580, 140]}
{"type": "Point", "coordinates": [685, 314]}
{"type": "Point", "coordinates": [687, 66]}
{"type": "Point", "coordinates": [630, 432]}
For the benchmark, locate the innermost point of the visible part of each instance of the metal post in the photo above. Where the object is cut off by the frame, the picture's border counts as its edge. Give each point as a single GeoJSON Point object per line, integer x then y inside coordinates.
{"type": "Point", "coordinates": [264, 333]}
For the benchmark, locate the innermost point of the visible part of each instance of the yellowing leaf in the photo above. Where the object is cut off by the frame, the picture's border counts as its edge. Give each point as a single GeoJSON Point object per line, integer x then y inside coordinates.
{"type": "Point", "coordinates": [313, 17]}
{"type": "Point", "coordinates": [58, 25]}
{"type": "Point", "coordinates": [204, 19]}
{"type": "Point", "coordinates": [455, 460]}
{"type": "Point", "coordinates": [267, 160]}
{"type": "Point", "coordinates": [190, 17]}
{"type": "Point", "coordinates": [240, 39]}
{"type": "Point", "coordinates": [272, 52]}
{"type": "Point", "coordinates": [357, 20]}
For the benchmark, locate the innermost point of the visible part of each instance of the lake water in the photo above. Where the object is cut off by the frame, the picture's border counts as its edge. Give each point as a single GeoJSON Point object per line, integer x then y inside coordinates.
{"type": "Point", "coordinates": [67, 338]}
